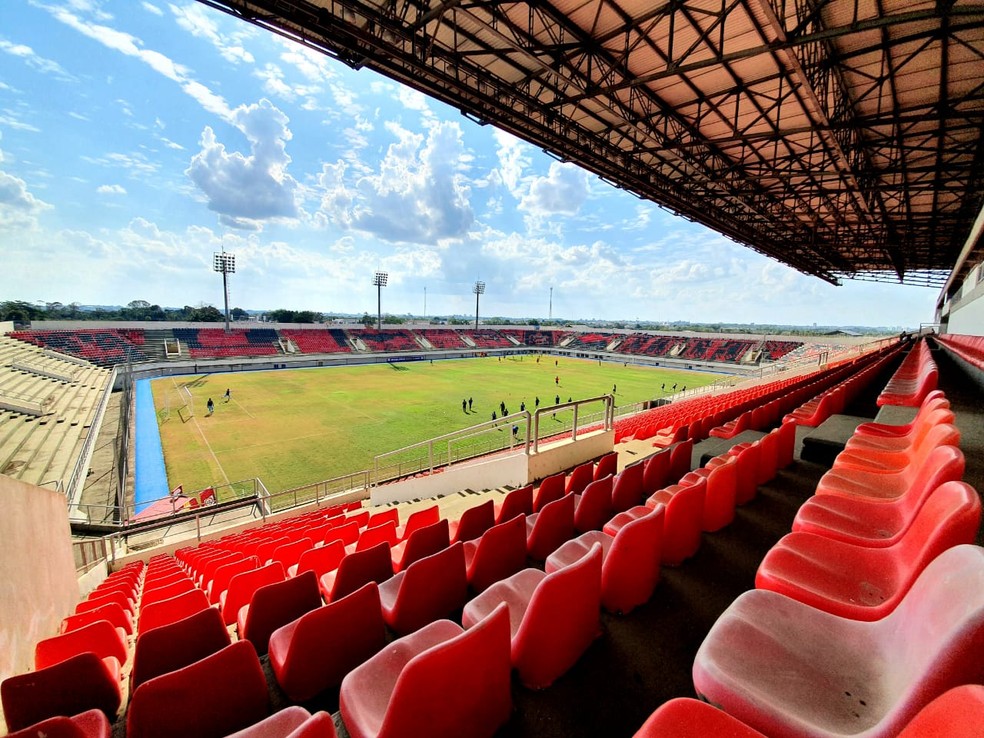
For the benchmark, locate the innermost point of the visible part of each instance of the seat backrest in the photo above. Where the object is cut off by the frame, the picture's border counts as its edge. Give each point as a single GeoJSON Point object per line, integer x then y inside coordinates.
{"type": "Point", "coordinates": [277, 604]}
{"type": "Point", "coordinates": [517, 502]}
{"type": "Point", "coordinates": [178, 644]}
{"type": "Point", "coordinates": [656, 471]}
{"type": "Point", "coordinates": [607, 464]}
{"type": "Point", "coordinates": [957, 713]}
{"type": "Point", "coordinates": [385, 531]}
{"type": "Point", "coordinates": [635, 554]}
{"type": "Point", "coordinates": [166, 592]}
{"type": "Point", "coordinates": [243, 585]}
{"type": "Point", "coordinates": [474, 522]}
{"type": "Point", "coordinates": [372, 565]}
{"type": "Point", "coordinates": [100, 637]}
{"type": "Point", "coordinates": [290, 553]}
{"type": "Point", "coordinates": [680, 457]}
{"type": "Point", "coordinates": [950, 516]}
{"type": "Point", "coordinates": [321, 559]}
{"type": "Point", "coordinates": [943, 464]}
{"type": "Point", "coordinates": [580, 478]}
{"type": "Point", "coordinates": [98, 599]}
{"type": "Point", "coordinates": [111, 611]}
{"type": "Point", "coordinates": [211, 698]}
{"type": "Point", "coordinates": [264, 552]}
{"type": "Point", "coordinates": [432, 587]}
{"type": "Point", "coordinates": [420, 519]}
{"type": "Point", "coordinates": [553, 525]}
{"type": "Point", "coordinates": [222, 575]}
{"type": "Point", "coordinates": [594, 507]}
{"type": "Point", "coordinates": [627, 487]}
{"type": "Point", "coordinates": [473, 666]}
{"type": "Point", "coordinates": [550, 489]}
{"type": "Point", "coordinates": [499, 553]}
{"type": "Point", "coordinates": [422, 542]}
{"type": "Point", "coordinates": [347, 533]}
{"type": "Point", "coordinates": [89, 724]}
{"type": "Point", "coordinates": [170, 610]}
{"type": "Point", "coordinates": [384, 516]}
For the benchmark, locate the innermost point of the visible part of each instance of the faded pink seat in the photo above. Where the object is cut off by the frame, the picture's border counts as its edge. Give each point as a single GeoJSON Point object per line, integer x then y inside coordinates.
{"type": "Point", "coordinates": [957, 713]}
{"type": "Point", "coordinates": [356, 569]}
{"type": "Point", "coordinates": [894, 435]}
{"type": "Point", "coordinates": [684, 717]}
{"type": "Point", "coordinates": [517, 502]}
{"type": "Point", "coordinates": [473, 522]}
{"type": "Point", "coordinates": [550, 489]}
{"type": "Point", "coordinates": [719, 495]}
{"type": "Point", "coordinates": [171, 647]}
{"type": "Point", "coordinates": [593, 507]}
{"type": "Point", "coordinates": [211, 698]}
{"type": "Point", "coordinates": [607, 464]}
{"type": "Point", "coordinates": [404, 690]}
{"type": "Point", "coordinates": [274, 605]}
{"type": "Point", "coordinates": [553, 618]}
{"type": "Point", "coordinates": [872, 460]}
{"type": "Point", "coordinates": [580, 478]}
{"type": "Point", "coordinates": [886, 441]}
{"type": "Point", "coordinates": [111, 611]}
{"type": "Point", "coordinates": [864, 583]}
{"type": "Point", "coordinates": [171, 610]}
{"type": "Point", "coordinates": [419, 519]}
{"type": "Point", "coordinates": [942, 464]}
{"type": "Point", "coordinates": [786, 668]}
{"type": "Point", "coordinates": [430, 588]}
{"type": "Point", "coordinates": [499, 553]}
{"type": "Point", "coordinates": [683, 519]}
{"type": "Point", "coordinates": [627, 491]}
{"type": "Point", "coordinates": [100, 637]}
{"type": "Point", "coordinates": [320, 559]}
{"type": "Point", "coordinates": [316, 651]}
{"type": "Point", "coordinates": [291, 722]}
{"type": "Point", "coordinates": [77, 684]}
{"type": "Point", "coordinates": [550, 527]}
{"type": "Point", "coordinates": [88, 724]}
{"type": "Point", "coordinates": [422, 542]}
{"type": "Point", "coordinates": [630, 548]}
{"type": "Point", "coordinates": [243, 585]}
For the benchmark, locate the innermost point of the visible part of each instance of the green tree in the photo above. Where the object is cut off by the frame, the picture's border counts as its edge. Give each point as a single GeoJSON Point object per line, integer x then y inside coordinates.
{"type": "Point", "coordinates": [367, 320]}
{"type": "Point", "coordinates": [19, 311]}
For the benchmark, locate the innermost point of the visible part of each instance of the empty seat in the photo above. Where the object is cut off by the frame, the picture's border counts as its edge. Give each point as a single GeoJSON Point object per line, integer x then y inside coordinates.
{"type": "Point", "coordinates": [290, 553]}
{"type": "Point", "coordinates": [553, 617]}
{"type": "Point", "coordinates": [630, 545]}
{"type": "Point", "coordinates": [88, 724]}
{"type": "Point", "coordinates": [517, 502]}
{"type": "Point", "coordinates": [683, 519]}
{"type": "Point", "coordinates": [499, 553]}
{"type": "Point", "coordinates": [550, 489]}
{"type": "Point", "coordinates": [243, 585]}
{"type": "Point", "coordinates": [422, 542]}
{"type": "Point", "coordinates": [291, 722]}
{"type": "Point", "coordinates": [786, 668]}
{"type": "Point", "coordinates": [864, 583]}
{"type": "Point", "coordinates": [719, 494]}
{"type": "Point", "coordinates": [347, 533]}
{"type": "Point", "coordinates": [441, 681]}
{"type": "Point", "coordinates": [656, 471]}
{"type": "Point", "coordinates": [385, 532]}
{"type": "Point", "coordinates": [167, 591]}
{"type": "Point", "coordinates": [211, 698]}
{"type": "Point", "coordinates": [627, 490]}
{"type": "Point", "coordinates": [372, 565]}
{"type": "Point", "coordinates": [580, 478]}
{"type": "Point", "coordinates": [550, 527]}
{"type": "Point", "coordinates": [473, 522]}
{"type": "Point", "coordinates": [111, 611]}
{"type": "Point", "coordinates": [681, 456]}
{"type": "Point", "coordinates": [689, 718]}
{"type": "Point", "coordinates": [171, 610]}
{"type": "Point", "coordinates": [419, 519]}
{"type": "Point", "coordinates": [430, 588]}
{"type": "Point", "coordinates": [957, 713]}
{"type": "Point", "coordinates": [220, 576]}
{"type": "Point", "coordinates": [320, 560]}
{"type": "Point", "coordinates": [607, 464]}
{"type": "Point", "coordinates": [274, 605]}
{"type": "Point", "coordinates": [391, 515]}
{"type": "Point", "coordinates": [942, 434]}
{"type": "Point", "coordinates": [316, 651]}
{"type": "Point", "coordinates": [100, 637]}
{"type": "Point", "coordinates": [98, 599]}
{"type": "Point", "coordinates": [183, 642]}
{"type": "Point", "coordinates": [593, 507]}
{"type": "Point", "coordinates": [77, 684]}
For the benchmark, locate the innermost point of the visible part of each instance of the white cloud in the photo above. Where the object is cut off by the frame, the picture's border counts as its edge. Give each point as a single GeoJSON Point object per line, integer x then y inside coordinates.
{"type": "Point", "coordinates": [151, 8]}
{"type": "Point", "coordinates": [10, 119]}
{"type": "Point", "coordinates": [195, 20]}
{"type": "Point", "coordinates": [34, 60]}
{"type": "Point", "coordinates": [113, 189]}
{"type": "Point", "coordinates": [19, 209]}
{"type": "Point", "coordinates": [561, 192]}
{"type": "Point", "coordinates": [513, 160]}
{"type": "Point", "coordinates": [417, 196]}
{"type": "Point", "coordinates": [171, 144]}
{"type": "Point", "coordinates": [246, 189]}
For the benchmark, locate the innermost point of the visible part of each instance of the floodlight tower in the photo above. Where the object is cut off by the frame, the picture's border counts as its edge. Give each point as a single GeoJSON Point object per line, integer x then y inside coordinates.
{"type": "Point", "coordinates": [478, 289]}
{"type": "Point", "coordinates": [226, 265]}
{"type": "Point", "coordinates": [380, 281]}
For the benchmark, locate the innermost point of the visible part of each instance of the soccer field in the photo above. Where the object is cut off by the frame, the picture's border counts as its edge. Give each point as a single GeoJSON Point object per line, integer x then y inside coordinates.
{"type": "Point", "coordinates": [299, 426]}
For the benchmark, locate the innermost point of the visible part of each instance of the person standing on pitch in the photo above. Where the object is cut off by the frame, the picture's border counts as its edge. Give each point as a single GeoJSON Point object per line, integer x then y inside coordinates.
{"type": "Point", "coordinates": [228, 394]}
{"type": "Point", "coordinates": [210, 405]}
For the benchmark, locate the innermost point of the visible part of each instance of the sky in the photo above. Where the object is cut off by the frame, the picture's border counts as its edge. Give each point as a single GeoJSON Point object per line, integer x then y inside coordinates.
{"type": "Point", "coordinates": [139, 137]}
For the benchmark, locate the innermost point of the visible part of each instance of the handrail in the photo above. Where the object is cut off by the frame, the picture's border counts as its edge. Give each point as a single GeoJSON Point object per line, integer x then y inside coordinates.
{"type": "Point", "coordinates": [76, 478]}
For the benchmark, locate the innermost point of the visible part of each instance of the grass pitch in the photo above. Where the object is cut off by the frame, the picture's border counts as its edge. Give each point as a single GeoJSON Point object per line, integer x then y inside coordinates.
{"type": "Point", "coordinates": [298, 426]}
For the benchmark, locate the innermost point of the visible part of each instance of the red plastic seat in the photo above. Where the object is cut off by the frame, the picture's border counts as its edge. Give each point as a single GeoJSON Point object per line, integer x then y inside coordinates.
{"type": "Point", "coordinates": [320, 559]}
{"type": "Point", "coordinates": [390, 515]}
{"type": "Point", "coordinates": [593, 507]}
{"type": "Point", "coordinates": [316, 651]}
{"type": "Point", "coordinates": [167, 591]}
{"type": "Point", "coordinates": [274, 605]}
{"type": "Point", "coordinates": [553, 617]}
{"type": "Point", "coordinates": [957, 713]}
{"type": "Point", "coordinates": [517, 502]}
{"type": "Point", "coordinates": [885, 441]}
{"type": "Point", "coordinates": [264, 552]}
{"type": "Point", "coordinates": [171, 610]}
{"type": "Point", "coordinates": [473, 522]}
{"type": "Point", "coordinates": [719, 495]}
{"type": "Point", "coordinates": [746, 470]}
{"type": "Point", "coordinates": [580, 478]}
{"type": "Point", "coordinates": [243, 585]}
{"type": "Point", "coordinates": [347, 533]}
{"type": "Point", "coordinates": [356, 569]}
{"type": "Point", "coordinates": [98, 599]}
{"type": "Point", "coordinates": [688, 718]}
{"type": "Point", "coordinates": [111, 611]}
{"type": "Point", "coordinates": [627, 490]}
{"type": "Point", "coordinates": [656, 471]}
{"type": "Point", "coordinates": [211, 698]}
{"type": "Point", "coordinates": [865, 583]}
{"type": "Point", "coordinates": [432, 587]}
{"type": "Point", "coordinates": [894, 435]}
{"type": "Point", "coordinates": [88, 724]}
{"type": "Point", "coordinates": [550, 527]}
{"type": "Point", "coordinates": [630, 548]}
{"type": "Point", "coordinates": [681, 455]}
{"type": "Point", "coordinates": [291, 722]}
{"type": "Point", "coordinates": [550, 489]}
{"type": "Point", "coordinates": [683, 519]}
{"type": "Point", "coordinates": [607, 464]}
{"type": "Point", "coordinates": [77, 684]}
{"type": "Point", "coordinates": [785, 444]}
{"type": "Point", "coordinates": [290, 553]}
{"type": "Point", "coordinates": [786, 668]}
{"type": "Point", "coordinates": [219, 581]}
{"type": "Point", "coordinates": [419, 519]}
{"type": "Point", "coordinates": [385, 532]}
{"type": "Point", "coordinates": [100, 637]}
{"type": "Point", "coordinates": [499, 553]}
{"type": "Point", "coordinates": [404, 690]}
{"type": "Point", "coordinates": [869, 460]}
{"type": "Point", "coordinates": [164, 579]}
{"type": "Point", "coordinates": [183, 642]}
{"type": "Point", "coordinates": [422, 542]}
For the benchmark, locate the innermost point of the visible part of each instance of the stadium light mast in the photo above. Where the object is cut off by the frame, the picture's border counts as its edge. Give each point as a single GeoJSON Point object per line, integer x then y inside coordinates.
{"type": "Point", "coordinates": [478, 289]}
{"type": "Point", "coordinates": [380, 281]}
{"type": "Point", "coordinates": [226, 265]}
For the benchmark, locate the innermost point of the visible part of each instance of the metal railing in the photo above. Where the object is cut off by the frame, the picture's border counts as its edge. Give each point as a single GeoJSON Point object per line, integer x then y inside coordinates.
{"type": "Point", "coordinates": [88, 553]}
{"type": "Point", "coordinates": [319, 492]}
{"type": "Point", "coordinates": [579, 421]}
{"type": "Point", "coordinates": [76, 480]}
